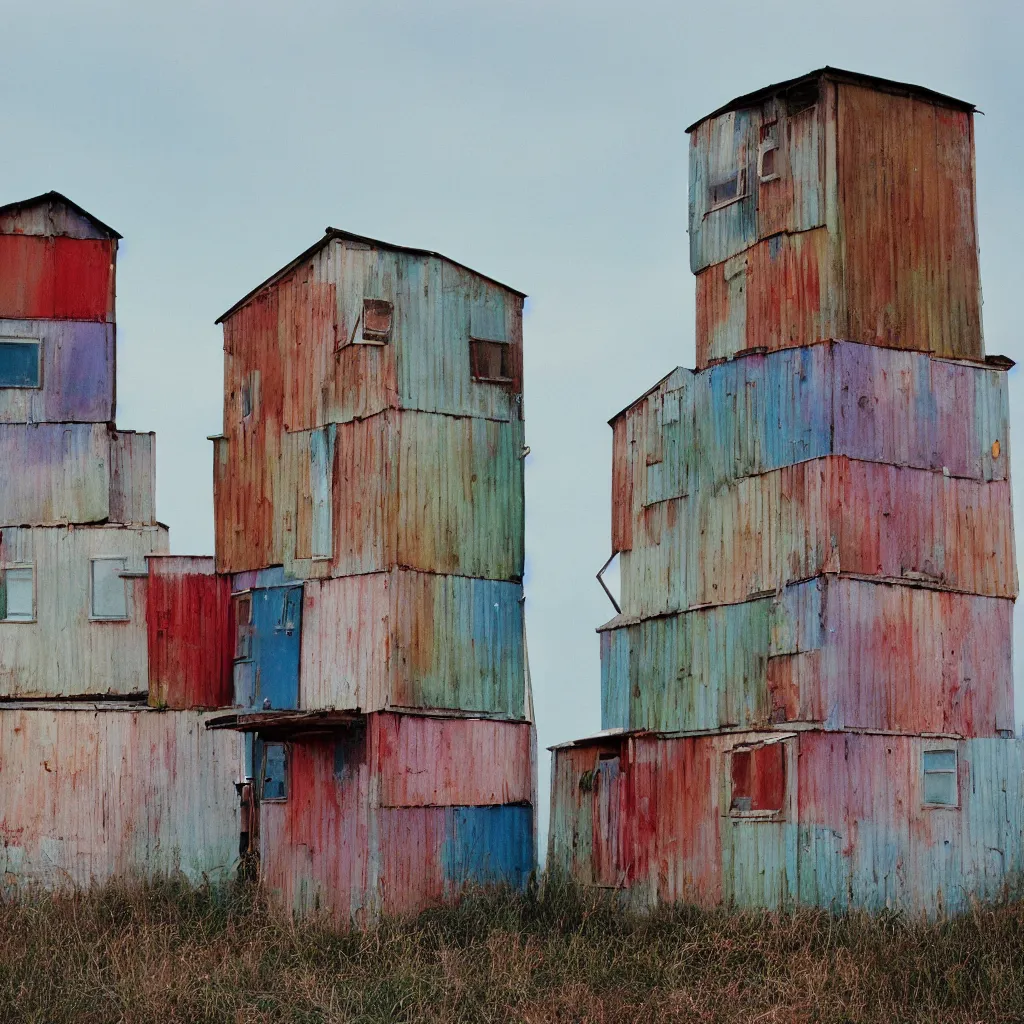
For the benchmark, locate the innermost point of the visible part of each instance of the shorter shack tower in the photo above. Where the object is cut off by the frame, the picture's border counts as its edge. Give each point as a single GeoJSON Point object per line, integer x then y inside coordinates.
{"type": "Point", "coordinates": [368, 492]}
{"type": "Point", "coordinates": [807, 693]}
{"type": "Point", "coordinates": [94, 781]}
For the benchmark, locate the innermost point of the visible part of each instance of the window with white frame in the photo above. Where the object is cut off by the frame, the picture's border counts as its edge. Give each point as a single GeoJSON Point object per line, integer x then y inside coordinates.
{"type": "Point", "coordinates": [940, 778]}
{"type": "Point", "coordinates": [108, 589]}
{"type": "Point", "coordinates": [17, 594]}
{"type": "Point", "coordinates": [20, 363]}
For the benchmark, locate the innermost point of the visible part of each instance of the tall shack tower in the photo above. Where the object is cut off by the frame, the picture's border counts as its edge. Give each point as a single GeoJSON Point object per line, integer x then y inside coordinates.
{"type": "Point", "coordinates": [807, 694]}
{"type": "Point", "coordinates": [368, 493]}
{"type": "Point", "coordinates": [100, 630]}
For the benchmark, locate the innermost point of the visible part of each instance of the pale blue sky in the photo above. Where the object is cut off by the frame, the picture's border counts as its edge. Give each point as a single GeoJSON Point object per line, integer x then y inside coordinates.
{"type": "Point", "coordinates": [539, 142]}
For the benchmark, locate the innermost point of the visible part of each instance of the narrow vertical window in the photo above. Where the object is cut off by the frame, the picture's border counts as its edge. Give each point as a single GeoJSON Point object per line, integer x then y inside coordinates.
{"type": "Point", "coordinates": [291, 610]}
{"type": "Point", "coordinates": [321, 471]}
{"type": "Point", "coordinates": [109, 594]}
{"type": "Point", "coordinates": [243, 626]}
{"type": "Point", "coordinates": [19, 363]}
{"type": "Point", "coordinates": [768, 152]}
{"type": "Point", "coordinates": [940, 778]}
{"type": "Point", "coordinates": [17, 594]}
{"type": "Point", "coordinates": [275, 771]}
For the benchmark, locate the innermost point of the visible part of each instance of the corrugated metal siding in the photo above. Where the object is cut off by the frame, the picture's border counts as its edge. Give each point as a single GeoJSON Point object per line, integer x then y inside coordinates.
{"type": "Point", "coordinates": [826, 515]}
{"type": "Point", "coordinates": [88, 795]}
{"type": "Point", "coordinates": [700, 430]}
{"type": "Point", "coordinates": [78, 373]}
{"type": "Point", "coordinates": [50, 217]}
{"type": "Point", "coordinates": [315, 848]}
{"type": "Point", "coordinates": [437, 493]}
{"type": "Point", "coordinates": [855, 832]}
{"type": "Point", "coordinates": [793, 202]}
{"type": "Point", "coordinates": [132, 477]}
{"type": "Point", "coordinates": [63, 653]}
{"type": "Point", "coordinates": [372, 641]}
{"type": "Point", "coordinates": [847, 652]}
{"type": "Point", "coordinates": [778, 294]}
{"type": "Point", "coordinates": [188, 615]}
{"type": "Point", "coordinates": [426, 762]}
{"type": "Point", "coordinates": [916, 287]}
{"type": "Point", "coordinates": [59, 473]}
{"type": "Point", "coordinates": [56, 278]}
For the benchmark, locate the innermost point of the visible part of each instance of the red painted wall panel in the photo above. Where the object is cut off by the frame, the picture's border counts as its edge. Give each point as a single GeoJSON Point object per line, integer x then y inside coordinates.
{"type": "Point", "coordinates": [56, 278]}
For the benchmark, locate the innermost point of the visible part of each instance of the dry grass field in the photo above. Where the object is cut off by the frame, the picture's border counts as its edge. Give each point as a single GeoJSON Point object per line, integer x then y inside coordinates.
{"type": "Point", "coordinates": [168, 952]}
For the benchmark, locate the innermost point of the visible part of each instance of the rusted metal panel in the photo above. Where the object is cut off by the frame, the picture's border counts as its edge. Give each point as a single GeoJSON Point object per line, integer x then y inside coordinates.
{"type": "Point", "coordinates": [375, 640]}
{"type": "Point", "coordinates": [849, 653]}
{"type": "Point", "coordinates": [825, 515]}
{"type": "Point", "coordinates": [362, 831]}
{"type": "Point", "coordinates": [66, 651]}
{"type": "Point", "coordinates": [916, 287]}
{"type": "Point", "coordinates": [92, 793]}
{"type": "Point", "coordinates": [427, 762]}
{"type": "Point", "coordinates": [56, 278]}
{"type": "Point", "coordinates": [189, 633]}
{"type": "Point", "coordinates": [855, 830]}
{"type": "Point", "coordinates": [58, 473]}
{"type": "Point", "coordinates": [767, 277]}
{"type": "Point", "coordinates": [315, 847]}
{"type": "Point", "coordinates": [132, 477]}
{"type": "Point", "coordinates": [699, 430]}
{"type": "Point", "coordinates": [77, 382]}
{"type": "Point", "coordinates": [431, 492]}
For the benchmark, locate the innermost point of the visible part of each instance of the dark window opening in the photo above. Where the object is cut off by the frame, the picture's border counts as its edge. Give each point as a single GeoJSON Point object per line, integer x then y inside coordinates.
{"type": "Point", "coordinates": [377, 318]}
{"type": "Point", "coordinates": [727, 190]}
{"type": "Point", "coordinates": [758, 779]}
{"type": "Point", "coordinates": [490, 361]}
{"type": "Point", "coordinates": [19, 363]}
{"type": "Point", "coordinates": [800, 97]}
{"type": "Point", "coordinates": [768, 152]}
{"type": "Point", "coordinates": [275, 772]}
{"type": "Point", "coordinates": [348, 755]}
{"type": "Point", "coordinates": [243, 627]}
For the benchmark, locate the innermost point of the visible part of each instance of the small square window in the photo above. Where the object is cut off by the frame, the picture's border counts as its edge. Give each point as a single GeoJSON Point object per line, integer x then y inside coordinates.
{"type": "Point", "coordinates": [17, 594]}
{"type": "Point", "coordinates": [275, 771]}
{"type": "Point", "coordinates": [940, 778]}
{"type": "Point", "coordinates": [109, 597]}
{"type": "Point", "coordinates": [490, 361]}
{"type": "Point", "coordinates": [377, 318]}
{"type": "Point", "coordinates": [758, 779]}
{"type": "Point", "coordinates": [19, 363]}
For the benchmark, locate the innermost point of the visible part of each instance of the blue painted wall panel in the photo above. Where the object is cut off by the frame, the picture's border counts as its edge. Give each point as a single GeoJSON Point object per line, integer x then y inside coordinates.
{"type": "Point", "coordinates": [488, 845]}
{"type": "Point", "coordinates": [276, 632]}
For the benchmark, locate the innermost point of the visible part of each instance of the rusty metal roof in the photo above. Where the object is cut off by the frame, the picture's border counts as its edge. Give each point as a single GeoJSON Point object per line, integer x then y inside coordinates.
{"type": "Point", "coordinates": [51, 196]}
{"type": "Point", "coordinates": [837, 75]}
{"type": "Point", "coordinates": [339, 233]}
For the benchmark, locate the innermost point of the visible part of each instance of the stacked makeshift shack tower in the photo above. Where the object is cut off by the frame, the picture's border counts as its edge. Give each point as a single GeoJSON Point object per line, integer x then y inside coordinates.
{"type": "Point", "coordinates": [807, 694]}
{"type": "Point", "coordinates": [368, 493]}
{"type": "Point", "coordinates": [94, 616]}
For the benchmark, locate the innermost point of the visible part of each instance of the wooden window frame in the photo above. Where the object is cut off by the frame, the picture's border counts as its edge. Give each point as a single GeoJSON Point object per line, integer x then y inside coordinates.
{"type": "Point", "coordinates": [93, 617]}
{"type": "Point", "coordinates": [954, 772]}
{"type": "Point", "coordinates": [19, 567]}
{"type": "Point", "coordinates": [14, 340]}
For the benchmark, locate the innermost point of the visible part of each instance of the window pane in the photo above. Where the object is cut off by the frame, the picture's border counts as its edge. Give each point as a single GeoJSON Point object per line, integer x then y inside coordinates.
{"type": "Point", "coordinates": [19, 594]}
{"type": "Point", "coordinates": [19, 364]}
{"type": "Point", "coordinates": [109, 596]}
{"type": "Point", "coordinates": [275, 781]}
{"type": "Point", "coordinates": [940, 760]}
{"type": "Point", "coordinates": [940, 788]}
